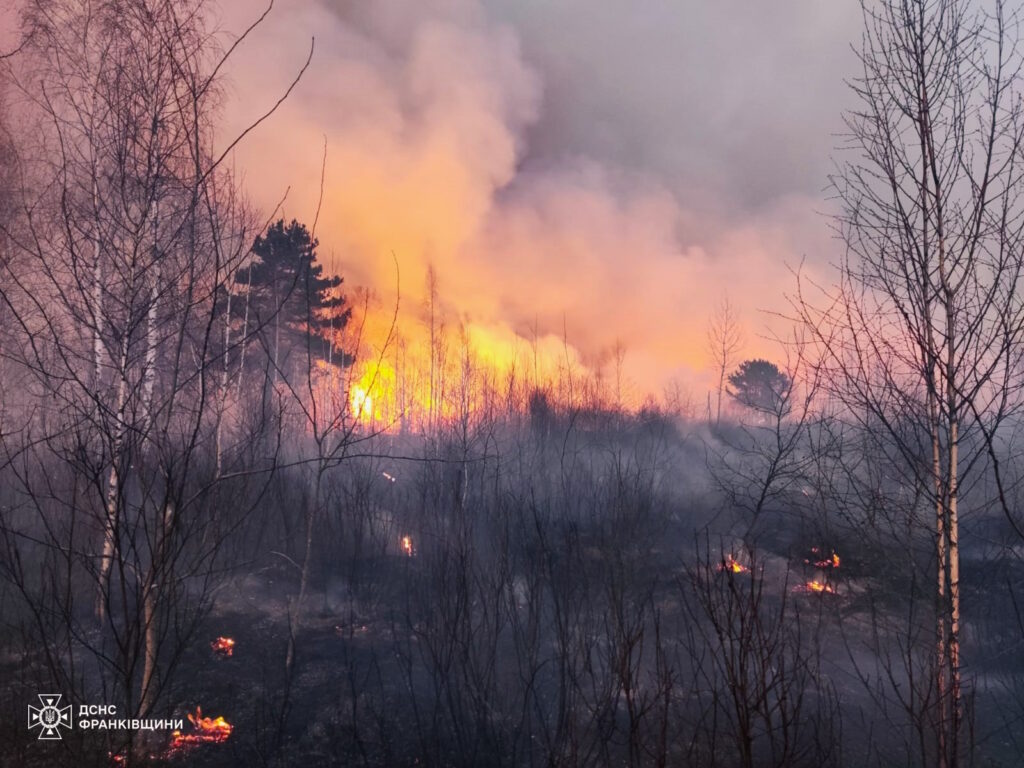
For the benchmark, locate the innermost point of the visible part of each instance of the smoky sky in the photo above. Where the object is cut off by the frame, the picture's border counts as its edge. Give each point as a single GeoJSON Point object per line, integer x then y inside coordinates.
{"type": "Point", "coordinates": [603, 170]}
{"type": "Point", "coordinates": [732, 104]}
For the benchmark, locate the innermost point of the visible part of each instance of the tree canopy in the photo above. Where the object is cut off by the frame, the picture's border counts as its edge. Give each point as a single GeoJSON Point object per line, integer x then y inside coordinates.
{"type": "Point", "coordinates": [290, 295]}
{"type": "Point", "coordinates": [759, 384]}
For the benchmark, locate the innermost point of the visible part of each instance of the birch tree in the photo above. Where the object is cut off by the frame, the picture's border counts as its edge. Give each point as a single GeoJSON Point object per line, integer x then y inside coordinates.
{"type": "Point", "coordinates": [724, 342]}
{"type": "Point", "coordinates": [129, 232]}
{"type": "Point", "coordinates": [921, 336]}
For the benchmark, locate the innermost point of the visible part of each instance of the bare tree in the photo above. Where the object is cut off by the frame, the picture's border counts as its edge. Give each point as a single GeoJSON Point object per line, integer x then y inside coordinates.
{"type": "Point", "coordinates": [922, 334]}
{"type": "Point", "coordinates": [129, 230]}
{"type": "Point", "coordinates": [756, 667]}
{"type": "Point", "coordinates": [724, 342]}
{"type": "Point", "coordinates": [760, 463]}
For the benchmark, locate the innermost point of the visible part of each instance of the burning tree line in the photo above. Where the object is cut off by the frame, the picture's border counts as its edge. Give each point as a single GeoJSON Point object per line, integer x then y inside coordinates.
{"type": "Point", "coordinates": [531, 579]}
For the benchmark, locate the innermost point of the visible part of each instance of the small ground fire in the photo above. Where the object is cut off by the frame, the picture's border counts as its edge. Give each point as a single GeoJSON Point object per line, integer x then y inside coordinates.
{"type": "Point", "coordinates": [208, 730]}
{"type": "Point", "coordinates": [223, 647]}
{"type": "Point", "coordinates": [819, 562]}
{"type": "Point", "coordinates": [732, 565]}
{"type": "Point", "coordinates": [820, 585]}
{"type": "Point", "coordinates": [816, 587]}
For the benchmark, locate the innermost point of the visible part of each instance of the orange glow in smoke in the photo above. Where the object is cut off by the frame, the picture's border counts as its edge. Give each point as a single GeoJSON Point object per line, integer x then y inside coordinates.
{"type": "Point", "coordinates": [407, 546]}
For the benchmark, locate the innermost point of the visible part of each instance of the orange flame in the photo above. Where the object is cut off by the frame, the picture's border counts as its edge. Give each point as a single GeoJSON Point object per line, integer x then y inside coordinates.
{"type": "Point", "coordinates": [732, 565]}
{"type": "Point", "coordinates": [407, 545]}
{"type": "Point", "coordinates": [818, 587]}
{"type": "Point", "coordinates": [831, 562]}
{"type": "Point", "coordinates": [208, 730]}
{"type": "Point", "coordinates": [372, 396]}
{"type": "Point", "coordinates": [223, 647]}
{"type": "Point", "coordinates": [409, 379]}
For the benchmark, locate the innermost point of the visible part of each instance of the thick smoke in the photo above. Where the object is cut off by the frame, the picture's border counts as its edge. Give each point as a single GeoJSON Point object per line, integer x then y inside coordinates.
{"type": "Point", "coordinates": [604, 171]}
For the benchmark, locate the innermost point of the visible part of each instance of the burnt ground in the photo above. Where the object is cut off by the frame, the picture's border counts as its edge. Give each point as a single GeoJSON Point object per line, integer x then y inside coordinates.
{"type": "Point", "coordinates": [364, 687]}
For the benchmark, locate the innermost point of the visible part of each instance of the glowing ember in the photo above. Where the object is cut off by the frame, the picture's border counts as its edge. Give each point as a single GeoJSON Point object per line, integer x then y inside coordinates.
{"type": "Point", "coordinates": [830, 562]}
{"type": "Point", "coordinates": [407, 546]}
{"type": "Point", "coordinates": [343, 630]}
{"type": "Point", "coordinates": [732, 565]}
{"type": "Point", "coordinates": [208, 730]}
{"type": "Point", "coordinates": [223, 647]}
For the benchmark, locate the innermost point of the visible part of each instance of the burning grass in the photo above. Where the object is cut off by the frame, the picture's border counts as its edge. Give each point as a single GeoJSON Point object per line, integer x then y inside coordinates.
{"type": "Point", "coordinates": [207, 730]}
{"type": "Point", "coordinates": [816, 587]}
{"type": "Point", "coordinates": [821, 584]}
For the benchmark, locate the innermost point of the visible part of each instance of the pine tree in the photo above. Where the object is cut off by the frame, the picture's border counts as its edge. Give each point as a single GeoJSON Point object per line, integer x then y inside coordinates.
{"type": "Point", "coordinates": [292, 302]}
{"type": "Point", "coordinates": [760, 385]}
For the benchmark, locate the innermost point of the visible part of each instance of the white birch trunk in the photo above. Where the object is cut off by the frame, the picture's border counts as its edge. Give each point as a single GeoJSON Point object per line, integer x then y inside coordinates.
{"type": "Point", "coordinates": [111, 521]}
{"type": "Point", "coordinates": [245, 334]}
{"type": "Point", "coordinates": [223, 385]}
{"type": "Point", "coordinates": [97, 296]}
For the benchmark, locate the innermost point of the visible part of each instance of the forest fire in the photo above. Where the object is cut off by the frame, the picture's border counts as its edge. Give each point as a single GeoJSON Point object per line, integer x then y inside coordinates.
{"type": "Point", "coordinates": [572, 313]}
{"type": "Point", "coordinates": [224, 647]}
{"type": "Point", "coordinates": [731, 565]}
{"type": "Point", "coordinates": [418, 382]}
{"type": "Point", "coordinates": [208, 730]}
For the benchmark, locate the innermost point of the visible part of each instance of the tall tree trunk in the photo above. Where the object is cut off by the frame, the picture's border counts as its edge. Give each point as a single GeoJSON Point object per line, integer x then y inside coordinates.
{"type": "Point", "coordinates": [222, 405]}
{"type": "Point", "coordinates": [277, 333]}
{"type": "Point", "coordinates": [97, 293]}
{"type": "Point", "coordinates": [150, 611]}
{"type": "Point", "coordinates": [941, 686]}
{"type": "Point", "coordinates": [245, 335]}
{"type": "Point", "coordinates": [311, 516]}
{"type": "Point", "coordinates": [112, 507]}
{"type": "Point", "coordinates": [951, 523]}
{"type": "Point", "coordinates": [151, 344]}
